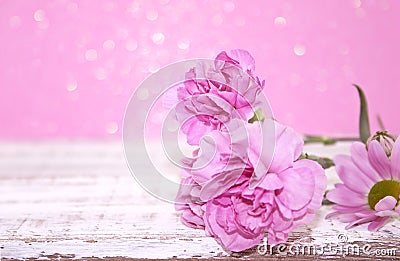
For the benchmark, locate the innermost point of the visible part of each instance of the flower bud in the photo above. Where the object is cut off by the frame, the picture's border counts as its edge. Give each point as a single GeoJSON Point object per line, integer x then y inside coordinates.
{"type": "Point", "coordinates": [385, 139]}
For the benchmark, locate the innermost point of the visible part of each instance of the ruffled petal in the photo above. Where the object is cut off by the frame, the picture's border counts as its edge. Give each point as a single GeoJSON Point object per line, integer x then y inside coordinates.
{"type": "Point", "coordinates": [320, 180]}
{"type": "Point", "coordinates": [271, 181]}
{"type": "Point", "coordinates": [307, 218]}
{"type": "Point", "coordinates": [219, 184]}
{"type": "Point", "coordinates": [219, 224]}
{"type": "Point", "coordinates": [276, 237]}
{"type": "Point", "coordinates": [260, 153]}
{"type": "Point", "coordinates": [281, 223]}
{"type": "Point", "coordinates": [285, 211]}
{"type": "Point", "coordinates": [238, 57]}
{"type": "Point", "coordinates": [288, 148]}
{"type": "Point", "coordinates": [192, 220]}
{"type": "Point", "coordinates": [298, 189]}
{"type": "Point", "coordinates": [244, 58]}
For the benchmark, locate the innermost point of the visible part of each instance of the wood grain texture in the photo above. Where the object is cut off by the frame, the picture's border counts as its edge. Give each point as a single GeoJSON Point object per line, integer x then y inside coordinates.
{"type": "Point", "coordinates": [64, 200]}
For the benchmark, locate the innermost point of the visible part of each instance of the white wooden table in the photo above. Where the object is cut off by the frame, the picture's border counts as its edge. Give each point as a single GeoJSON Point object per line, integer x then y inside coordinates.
{"type": "Point", "coordinates": [78, 200]}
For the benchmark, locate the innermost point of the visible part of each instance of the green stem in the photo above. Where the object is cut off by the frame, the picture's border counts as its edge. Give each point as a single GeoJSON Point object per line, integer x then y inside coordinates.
{"type": "Point", "coordinates": [327, 140]}
{"type": "Point", "coordinates": [325, 162]}
{"type": "Point", "coordinates": [325, 201]}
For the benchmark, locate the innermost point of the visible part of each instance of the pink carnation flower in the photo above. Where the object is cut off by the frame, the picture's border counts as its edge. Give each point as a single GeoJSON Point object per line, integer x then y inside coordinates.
{"type": "Point", "coordinates": [239, 218]}
{"type": "Point", "coordinates": [192, 211]}
{"type": "Point", "coordinates": [234, 220]}
{"type": "Point", "coordinates": [223, 158]}
{"type": "Point", "coordinates": [371, 186]}
{"type": "Point", "coordinates": [212, 96]}
{"type": "Point", "coordinates": [236, 215]}
{"type": "Point", "coordinates": [238, 58]}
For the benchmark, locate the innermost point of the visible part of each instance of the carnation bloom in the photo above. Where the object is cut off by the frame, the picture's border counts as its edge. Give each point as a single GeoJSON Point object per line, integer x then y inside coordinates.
{"type": "Point", "coordinates": [239, 217]}
{"type": "Point", "coordinates": [371, 185]}
{"type": "Point", "coordinates": [236, 215]}
{"type": "Point", "coordinates": [223, 158]}
{"type": "Point", "coordinates": [192, 211]}
{"type": "Point", "coordinates": [214, 94]}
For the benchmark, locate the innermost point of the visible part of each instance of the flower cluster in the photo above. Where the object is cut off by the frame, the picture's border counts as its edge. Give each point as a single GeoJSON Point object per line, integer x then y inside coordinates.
{"type": "Point", "coordinates": [231, 187]}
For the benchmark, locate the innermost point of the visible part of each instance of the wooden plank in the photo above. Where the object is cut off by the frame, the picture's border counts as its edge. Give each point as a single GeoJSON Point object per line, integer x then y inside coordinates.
{"type": "Point", "coordinates": [64, 200]}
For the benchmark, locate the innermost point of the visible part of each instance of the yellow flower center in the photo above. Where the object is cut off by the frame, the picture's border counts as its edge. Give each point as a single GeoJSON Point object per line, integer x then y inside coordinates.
{"type": "Point", "coordinates": [383, 189]}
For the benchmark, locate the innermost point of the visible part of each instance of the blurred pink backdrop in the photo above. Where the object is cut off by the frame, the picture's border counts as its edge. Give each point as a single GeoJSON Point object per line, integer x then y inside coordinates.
{"type": "Point", "coordinates": [68, 68]}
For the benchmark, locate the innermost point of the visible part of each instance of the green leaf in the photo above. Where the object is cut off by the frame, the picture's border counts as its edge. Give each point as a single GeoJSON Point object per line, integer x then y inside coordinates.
{"type": "Point", "coordinates": [258, 116]}
{"type": "Point", "coordinates": [365, 131]}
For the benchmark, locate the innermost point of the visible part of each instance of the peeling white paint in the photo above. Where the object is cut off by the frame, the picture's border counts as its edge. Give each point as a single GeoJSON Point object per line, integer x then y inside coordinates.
{"type": "Point", "coordinates": [79, 200]}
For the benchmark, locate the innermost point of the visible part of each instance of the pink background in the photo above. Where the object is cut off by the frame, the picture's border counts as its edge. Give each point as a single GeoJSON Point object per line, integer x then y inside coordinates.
{"type": "Point", "coordinates": [67, 69]}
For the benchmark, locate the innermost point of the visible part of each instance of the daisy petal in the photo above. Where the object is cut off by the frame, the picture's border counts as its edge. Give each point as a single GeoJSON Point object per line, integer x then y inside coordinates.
{"type": "Point", "coordinates": [344, 218]}
{"type": "Point", "coordinates": [395, 160]}
{"type": "Point", "coordinates": [387, 203]}
{"type": "Point", "coordinates": [377, 224]}
{"type": "Point", "coordinates": [333, 214]}
{"type": "Point", "coordinates": [343, 196]}
{"type": "Point", "coordinates": [386, 213]}
{"type": "Point", "coordinates": [351, 176]}
{"type": "Point", "coordinates": [397, 209]}
{"type": "Point", "coordinates": [379, 160]}
{"type": "Point", "coordinates": [345, 209]}
{"type": "Point", "coordinates": [359, 156]}
{"type": "Point", "coordinates": [361, 221]}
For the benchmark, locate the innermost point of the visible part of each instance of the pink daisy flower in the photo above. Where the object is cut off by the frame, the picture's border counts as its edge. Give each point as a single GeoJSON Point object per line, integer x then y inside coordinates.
{"type": "Point", "coordinates": [371, 185]}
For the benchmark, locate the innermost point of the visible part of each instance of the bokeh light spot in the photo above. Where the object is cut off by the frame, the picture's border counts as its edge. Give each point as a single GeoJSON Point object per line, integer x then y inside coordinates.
{"type": "Point", "coordinates": [142, 94]}
{"type": "Point", "coordinates": [158, 38]}
{"type": "Point", "coordinates": [91, 55]}
{"type": "Point", "coordinates": [112, 127]}
{"type": "Point", "coordinates": [183, 44]}
{"type": "Point", "coordinates": [280, 21]}
{"type": "Point", "coordinates": [152, 15]}
{"type": "Point", "coordinates": [299, 50]}
{"type": "Point", "coordinates": [39, 15]}
{"type": "Point", "coordinates": [72, 86]}
{"type": "Point", "coordinates": [108, 45]}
